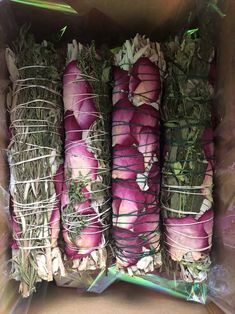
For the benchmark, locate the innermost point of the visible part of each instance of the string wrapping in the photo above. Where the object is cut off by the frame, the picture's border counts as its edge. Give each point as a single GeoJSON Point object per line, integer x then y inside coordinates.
{"type": "Point", "coordinates": [85, 201]}
{"type": "Point", "coordinates": [35, 157]}
{"type": "Point", "coordinates": [138, 73]}
{"type": "Point", "coordinates": [187, 174]}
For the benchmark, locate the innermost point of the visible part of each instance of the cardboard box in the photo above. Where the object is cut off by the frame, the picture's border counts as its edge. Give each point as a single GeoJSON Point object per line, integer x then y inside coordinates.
{"type": "Point", "coordinates": [111, 22]}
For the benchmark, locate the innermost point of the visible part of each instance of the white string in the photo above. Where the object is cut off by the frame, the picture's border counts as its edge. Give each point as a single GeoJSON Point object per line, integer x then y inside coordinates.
{"type": "Point", "coordinates": [81, 79]}
{"type": "Point", "coordinates": [79, 219]}
{"type": "Point", "coordinates": [32, 79]}
{"type": "Point", "coordinates": [37, 209]}
{"type": "Point", "coordinates": [36, 86]}
{"type": "Point", "coordinates": [84, 251]}
{"type": "Point", "coordinates": [178, 211]}
{"type": "Point", "coordinates": [188, 224]}
{"type": "Point", "coordinates": [40, 179]}
{"type": "Point", "coordinates": [185, 235]}
{"type": "Point", "coordinates": [183, 247]}
{"type": "Point", "coordinates": [33, 145]}
{"type": "Point", "coordinates": [34, 66]}
{"type": "Point", "coordinates": [196, 187]}
{"type": "Point", "coordinates": [184, 192]}
{"type": "Point", "coordinates": [32, 159]}
{"type": "Point", "coordinates": [23, 105]}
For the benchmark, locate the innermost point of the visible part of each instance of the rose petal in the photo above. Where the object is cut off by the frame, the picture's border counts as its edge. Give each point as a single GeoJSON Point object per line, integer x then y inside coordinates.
{"type": "Point", "coordinates": [147, 227]}
{"type": "Point", "coordinates": [71, 253]}
{"type": "Point", "coordinates": [86, 113]}
{"type": "Point", "coordinates": [148, 143]}
{"type": "Point", "coordinates": [147, 221]}
{"type": "Point", "coordinates": [72, 129]}
{"type": "Point", "coordinates": [78, 96]}
{"type": "Point", "coordinates": [81, 161]}
{"type": "Point", "coordinates": [129, 246]}
{"type": "Point", "coordinates": [122, 115]}
{"type": "Point", "coordinates": [121, 82]}
{"type": "Point", "coordinates": [128, 200]}
{"type": "Point", "coordinates": [151, 197]}
{"type": "Point", "coordinates": [145, 81]}
{"type": "Point", "coordinates": [189, 235]}
{"type": "Point", "coordinates": [65, 196]}
{"type": "Point", "coordinates": [90, 235]}
{"type": "Point", "coordinates": [127, 162]}
{"type": "Point", "coordinates": [145, 115]}
{"type": "Point", "coordinates": [89, 238]}
{"type": "Point", "coordinates": [153, 180]}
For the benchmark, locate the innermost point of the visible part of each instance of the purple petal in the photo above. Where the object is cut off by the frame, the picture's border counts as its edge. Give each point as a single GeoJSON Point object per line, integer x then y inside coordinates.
{"type": "Point", "coordinates": [147, 227]}
{"type": "Point", "coordinates": [122, 115]}
{"type": "Point", "coordinates": [127, 162]}
{"type": "Point", "coordinates": [147, 221]}
{"type": "Point", "coordinates": [90, 235]}
{"type": "Point", "coordinates": [89, 238]}
{"type": "Point", "coordinates": [148, 143]}
{"type": "Point", "coordinates": [129, 246]}
{"type": "Point", "coordinates": [72, 129]}
{"type": "Point", "coordinates": [84, 208]}
{"type": "Point", "coordinates": [64, 196]}
{"type": "Point", "coordinates": [188, 234]}
{"type": "Point", "coordinates": [78, 96]}
{"type": "Point", "coordinates": [145, 115]}
{"type": "Point", "coordinates": [154, 176]}
{"type": "Point", "coordinates": [145, 81]}
{"type": "Point", "coordinates": [81, 161]}
{"type": "Point", "coordinates": [121, 82]}
{"type": "Point", "coordinates": [86, 113]}
{"type": "Point", "coordinates": [128, 201]}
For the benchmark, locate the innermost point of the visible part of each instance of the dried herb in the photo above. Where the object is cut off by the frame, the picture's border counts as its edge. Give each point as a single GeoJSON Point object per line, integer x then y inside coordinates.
{"type": "Point", "coordinates": [34, 154]}
{"type": "Point", "coordinates": [86, 218]}
{"type": "Point", "coordinates": [188, 156]}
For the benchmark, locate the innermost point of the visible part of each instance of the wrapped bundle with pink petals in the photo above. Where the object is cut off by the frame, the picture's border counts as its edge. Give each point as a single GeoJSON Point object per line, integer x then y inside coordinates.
{"type": "Point", "coordinates": [85, 201]}
{"type": "Point", "coordinates": [187, 175]}
{"type": "Point", "coordinates": [35, 160]}
{"type": "Point", "coordinates": [138, 73]}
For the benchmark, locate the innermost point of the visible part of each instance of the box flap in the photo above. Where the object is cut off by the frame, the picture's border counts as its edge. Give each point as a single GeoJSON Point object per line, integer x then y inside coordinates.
{"type": "Point", "coordinates": [143, 16]}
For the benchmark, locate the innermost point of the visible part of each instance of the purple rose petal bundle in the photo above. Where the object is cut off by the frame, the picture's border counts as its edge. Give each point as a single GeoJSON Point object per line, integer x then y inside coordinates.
{"type": "Point", "coordinates": [86, 197]}
{"type": "Point", "coordinates": [138, 71]}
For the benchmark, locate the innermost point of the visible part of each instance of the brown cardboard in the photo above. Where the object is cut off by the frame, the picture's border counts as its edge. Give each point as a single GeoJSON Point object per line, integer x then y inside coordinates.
{"type": "Point", "coordinates": [121, 298]}
{"type": "Point", "coordinates": [146, 16]}
{"type": "Point", "coordinates": [4, 176]}
{"type": "Point", "coordinates": [111, 22]}
{"type": "Point", "coordinates": [224, 250]}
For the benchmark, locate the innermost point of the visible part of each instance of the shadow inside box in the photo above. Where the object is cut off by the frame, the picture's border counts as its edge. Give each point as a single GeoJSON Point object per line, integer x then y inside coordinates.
{"type": "Point", "coordinates": [120, 298]}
